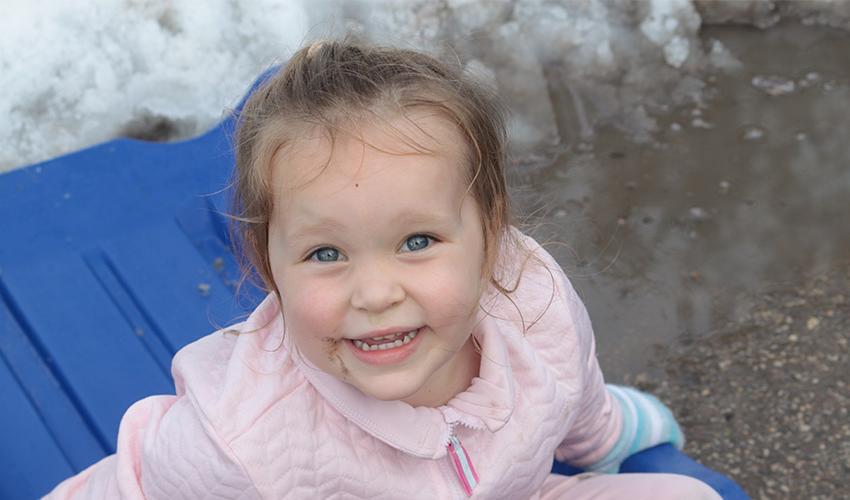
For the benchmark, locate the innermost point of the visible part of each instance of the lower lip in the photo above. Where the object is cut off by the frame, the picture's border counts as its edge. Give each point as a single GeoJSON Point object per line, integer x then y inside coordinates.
{"type": "Point", "coordinates": [387, 356]}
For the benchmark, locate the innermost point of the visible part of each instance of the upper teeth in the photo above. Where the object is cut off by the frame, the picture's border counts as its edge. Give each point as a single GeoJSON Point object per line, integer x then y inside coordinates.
{"type": "Point", "coordinates": [386, 345]}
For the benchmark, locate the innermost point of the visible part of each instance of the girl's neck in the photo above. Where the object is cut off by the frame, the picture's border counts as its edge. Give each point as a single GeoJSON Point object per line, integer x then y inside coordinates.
{"type": "Point", "coordinates": [455, 377]}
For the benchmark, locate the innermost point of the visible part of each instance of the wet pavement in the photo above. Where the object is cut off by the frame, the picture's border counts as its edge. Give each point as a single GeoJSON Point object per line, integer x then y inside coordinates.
{"type": "Point", "coordinates": [740, 196]}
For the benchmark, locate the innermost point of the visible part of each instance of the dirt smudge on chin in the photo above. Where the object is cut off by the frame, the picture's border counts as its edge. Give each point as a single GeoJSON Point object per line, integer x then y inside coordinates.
{"type": "Point", "coordinates": [333, 345]}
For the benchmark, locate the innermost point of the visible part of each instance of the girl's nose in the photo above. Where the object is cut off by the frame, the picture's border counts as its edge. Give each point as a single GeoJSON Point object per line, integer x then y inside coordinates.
{"type": "Point", "coordinates": [376, 291]}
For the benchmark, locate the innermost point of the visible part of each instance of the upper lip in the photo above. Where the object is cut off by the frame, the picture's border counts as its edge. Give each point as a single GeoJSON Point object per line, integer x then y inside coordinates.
{"type": "Point", "coordinates": [386, 331]}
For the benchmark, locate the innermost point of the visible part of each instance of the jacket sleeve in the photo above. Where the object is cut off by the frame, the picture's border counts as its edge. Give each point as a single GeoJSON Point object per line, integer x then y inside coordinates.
{"type": "Point", "coordinates": [166, 450]}
{"type": "Point", "coordinates": [611, 422]}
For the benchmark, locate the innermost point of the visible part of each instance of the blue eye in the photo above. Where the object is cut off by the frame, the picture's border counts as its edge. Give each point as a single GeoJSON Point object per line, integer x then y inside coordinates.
{"type": "Point", "coordinates": [417, 242]}
{"type": "Point", "coordinates": [325, 254]}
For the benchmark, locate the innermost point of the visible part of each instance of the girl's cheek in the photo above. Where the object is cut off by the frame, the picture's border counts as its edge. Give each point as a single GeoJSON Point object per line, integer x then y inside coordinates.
{"type": "Point", "coordinates": [314, 309]}
{"type": "Point", "coordinates": [452, 292]}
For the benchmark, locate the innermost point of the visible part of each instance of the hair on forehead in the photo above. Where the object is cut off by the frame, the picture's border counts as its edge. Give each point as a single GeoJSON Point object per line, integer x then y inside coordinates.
{"type": "Point", "coordinates": [391, 132]}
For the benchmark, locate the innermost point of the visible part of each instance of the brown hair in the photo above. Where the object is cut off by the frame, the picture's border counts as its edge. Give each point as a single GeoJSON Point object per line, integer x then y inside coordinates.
{"type": "Point", "coordinates": [332, 82]}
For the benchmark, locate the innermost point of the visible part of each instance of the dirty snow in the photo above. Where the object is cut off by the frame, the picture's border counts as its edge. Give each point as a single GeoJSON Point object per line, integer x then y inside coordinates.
{"type": "Point", "coordinates": [73, 75]}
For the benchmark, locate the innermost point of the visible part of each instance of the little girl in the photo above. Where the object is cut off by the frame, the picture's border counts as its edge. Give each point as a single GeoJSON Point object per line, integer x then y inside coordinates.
{"type": "Point", "coordinates": [413, 344]}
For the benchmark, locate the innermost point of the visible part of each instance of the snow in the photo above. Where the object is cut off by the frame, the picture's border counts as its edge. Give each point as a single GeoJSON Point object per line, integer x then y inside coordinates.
{"type": "Point", "coordinates": [73, 74]}
{"type": "Point", "coordinates": [664, 28]}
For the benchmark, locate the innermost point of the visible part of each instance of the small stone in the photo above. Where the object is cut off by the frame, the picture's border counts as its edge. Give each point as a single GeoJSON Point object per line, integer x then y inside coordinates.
{"type": "Point", "coordinates": [773, 85]}
{"type": "Point", "coordinates": [753, 133]}
{"type": "Point", "coordinates": [812, 323]}
{"type": "Point", "coordinates": [792, 338]}
{"type": "Point", "coordinates": [675, 127]}
{"type": "Point", "coordinates": [698, 214]}
{"type": "Point", "coordinates": [724, 187]}
{"type": "Point", "coordinates": [700, 123]}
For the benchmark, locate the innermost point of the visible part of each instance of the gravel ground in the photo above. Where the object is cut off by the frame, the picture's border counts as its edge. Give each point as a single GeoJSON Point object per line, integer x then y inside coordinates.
{"type": "Point", "coordinates": [766, 399]}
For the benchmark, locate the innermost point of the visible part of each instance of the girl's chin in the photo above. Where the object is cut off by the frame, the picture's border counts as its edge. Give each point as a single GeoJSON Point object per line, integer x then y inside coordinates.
{"type": "Point", "coordinates": [387, 392]}
{"type": "Point", "coordinates": [410, 386]}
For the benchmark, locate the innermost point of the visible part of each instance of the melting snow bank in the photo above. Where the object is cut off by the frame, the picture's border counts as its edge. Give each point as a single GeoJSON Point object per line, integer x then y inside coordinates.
{"type": "Point", "coordinates": [766, 13]}
{"type": "Point", "coordinates": [564, 67]}
{"type": "Point", "coordinates": [72, 77]}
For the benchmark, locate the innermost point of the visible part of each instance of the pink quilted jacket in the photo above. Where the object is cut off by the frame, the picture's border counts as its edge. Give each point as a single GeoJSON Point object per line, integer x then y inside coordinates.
{"type": "Point", "coordinates": [253, 419]}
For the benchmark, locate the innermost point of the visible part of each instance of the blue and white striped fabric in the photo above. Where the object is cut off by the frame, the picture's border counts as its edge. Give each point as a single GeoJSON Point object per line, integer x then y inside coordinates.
{"type": "Point", "coordinates": [646, 423]}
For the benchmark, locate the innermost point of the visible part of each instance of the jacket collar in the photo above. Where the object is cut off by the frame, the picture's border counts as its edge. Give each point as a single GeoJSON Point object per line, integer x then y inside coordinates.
{"type": "Point", "coordinates": [424, 432]}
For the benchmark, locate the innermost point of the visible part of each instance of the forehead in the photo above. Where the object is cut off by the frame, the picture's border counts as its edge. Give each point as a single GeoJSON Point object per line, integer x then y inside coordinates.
{"type": "Point", "coordinates": [419, 132]}
{"type": "Point", "coordinates": [421, 149]}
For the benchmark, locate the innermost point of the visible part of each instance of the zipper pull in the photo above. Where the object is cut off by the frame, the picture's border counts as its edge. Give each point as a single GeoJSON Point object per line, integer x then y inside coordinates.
{"type": "Point", "coordinates": [462, 465]}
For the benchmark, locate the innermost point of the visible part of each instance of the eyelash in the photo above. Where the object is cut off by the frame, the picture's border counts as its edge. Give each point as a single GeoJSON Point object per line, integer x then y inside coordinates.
{"type": "Point", "coordinates": [431, 240]}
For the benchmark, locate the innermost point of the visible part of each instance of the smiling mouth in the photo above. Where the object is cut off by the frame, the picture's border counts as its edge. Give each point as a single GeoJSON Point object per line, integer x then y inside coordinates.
{"type": "Point", "coordinates": [385, 342]}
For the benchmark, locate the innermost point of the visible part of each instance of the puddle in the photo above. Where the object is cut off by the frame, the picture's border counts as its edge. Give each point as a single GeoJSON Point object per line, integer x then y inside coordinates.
{"type": "Point", "coordinates": [746, 195]}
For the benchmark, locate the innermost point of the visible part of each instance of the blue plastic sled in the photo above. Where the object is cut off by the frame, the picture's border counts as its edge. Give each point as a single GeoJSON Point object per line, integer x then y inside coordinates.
{"type": "Point", "coordinates": [111, 259]}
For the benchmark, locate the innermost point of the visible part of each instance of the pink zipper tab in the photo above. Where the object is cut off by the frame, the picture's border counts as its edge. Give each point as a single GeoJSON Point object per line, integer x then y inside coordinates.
{"type": "Point", "coordinates": [462, 465]}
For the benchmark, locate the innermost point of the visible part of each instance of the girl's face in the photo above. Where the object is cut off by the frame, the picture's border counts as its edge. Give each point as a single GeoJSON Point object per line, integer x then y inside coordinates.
{"type": "Point", "coordinates": [384, 242]}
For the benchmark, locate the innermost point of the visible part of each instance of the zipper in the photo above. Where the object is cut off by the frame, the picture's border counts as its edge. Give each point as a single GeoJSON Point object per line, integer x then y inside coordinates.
{"type": "Point", "coordinates": [462, 465]}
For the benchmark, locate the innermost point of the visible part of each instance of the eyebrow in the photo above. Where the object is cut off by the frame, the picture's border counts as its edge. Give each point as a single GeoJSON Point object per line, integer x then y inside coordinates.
{"type": "Point", "coordinates": [324, 225]}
